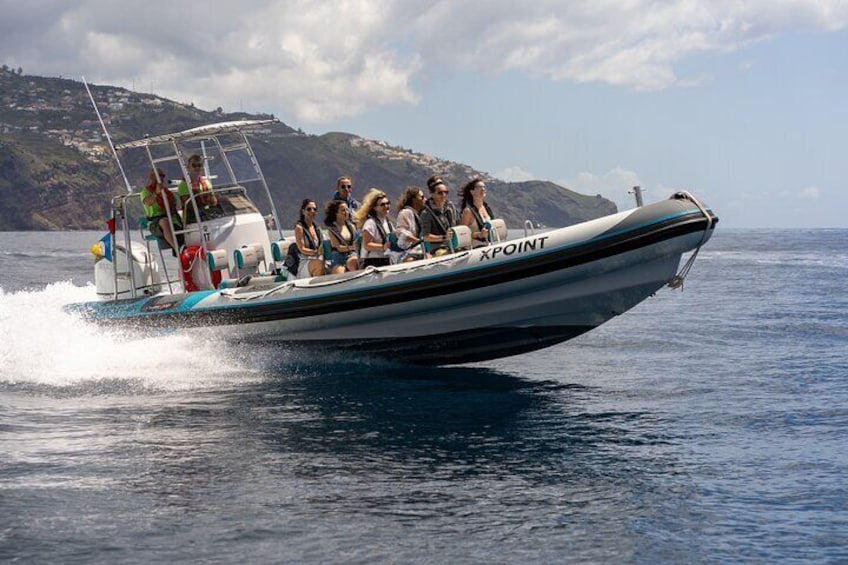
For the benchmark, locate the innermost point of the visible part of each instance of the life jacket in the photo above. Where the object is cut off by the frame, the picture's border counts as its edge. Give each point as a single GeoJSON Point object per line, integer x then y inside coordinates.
{"type": "Point", "coordinates": [477, 217]}
{"type": "Point", "coordinates": [338, 233]}
{"type": "Point", "coordinates": [352, 203]}
{"type": "Point", "coordinates": [203, 185]}
{"type": "Point", "coordinates": [311, 243]}
{"type": "Point", "coordinates": [201, 191]}
{"type": "Point", "coordinates": [160, 201]}
{"type": "Point", "coordinates": [382, 232]}
{"type": "Point", "coordinates": [442, 219]}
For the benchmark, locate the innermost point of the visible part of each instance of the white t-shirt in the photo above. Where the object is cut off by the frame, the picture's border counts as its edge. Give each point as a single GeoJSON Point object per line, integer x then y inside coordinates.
{"type": "Point", "coordinates": [370, 226]}
{"type": "Point", "coordinates": [406, 228]}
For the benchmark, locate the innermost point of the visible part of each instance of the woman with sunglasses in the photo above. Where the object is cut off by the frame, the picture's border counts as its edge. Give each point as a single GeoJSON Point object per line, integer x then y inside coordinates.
{"type": "Point", "coordinates": [476, 213]}
{"type": "Point", "coordinates": [342, 236]}
{"type": "Point", "coordinates": [373, 219]}
{"type": "Point", "coordinates": [437, 217]}
{"type": "Point", "coordinates": [408, 228]}
{"type": "Point", "coordinates": [307, 236]}
{"type": "Point", "coordinates": [201, 188]}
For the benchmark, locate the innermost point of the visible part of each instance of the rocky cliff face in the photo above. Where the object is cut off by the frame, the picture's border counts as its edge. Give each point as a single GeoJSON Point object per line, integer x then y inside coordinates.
{"type": "Point", "coordinates": [57, 173]}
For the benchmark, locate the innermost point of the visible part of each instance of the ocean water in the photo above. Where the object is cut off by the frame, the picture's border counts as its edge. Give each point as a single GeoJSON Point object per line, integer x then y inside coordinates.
{"type": "Point", "coordinates": [709, 425]}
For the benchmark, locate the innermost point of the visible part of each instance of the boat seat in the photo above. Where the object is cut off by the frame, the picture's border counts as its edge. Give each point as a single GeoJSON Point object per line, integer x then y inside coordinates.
{"type": "Point", "coordinates": [144, 226]}
{"type": "Point", "coordinates": [460, 237]}
{"type": "Point", "coordinates": [497, 230]}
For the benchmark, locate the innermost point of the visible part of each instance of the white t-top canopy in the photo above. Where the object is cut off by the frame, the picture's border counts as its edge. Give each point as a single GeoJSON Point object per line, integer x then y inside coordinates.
{"type": "Point", "coordinates": [199, 132]}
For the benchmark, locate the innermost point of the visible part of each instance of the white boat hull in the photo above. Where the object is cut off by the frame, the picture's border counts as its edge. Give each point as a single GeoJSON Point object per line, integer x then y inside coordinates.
{"type": "Point", "coordinates": [502, 300]}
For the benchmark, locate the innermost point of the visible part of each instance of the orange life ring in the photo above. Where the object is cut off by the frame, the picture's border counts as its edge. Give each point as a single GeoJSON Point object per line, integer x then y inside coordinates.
{"type": "Point", "coordinates": [193, 261]}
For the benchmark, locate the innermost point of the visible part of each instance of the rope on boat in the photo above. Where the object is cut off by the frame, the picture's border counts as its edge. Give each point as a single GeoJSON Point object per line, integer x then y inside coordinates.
{"type": "Point", "coordinates": [193, 261]}
{"type": "Point", "coordinates": [231, 293]}
{"type": "Point", "coordinates": [677, 280]}
{"type": "Point", "coordinates": [358, 275]}
{"type": "Point", "coordinates": [445, 259]}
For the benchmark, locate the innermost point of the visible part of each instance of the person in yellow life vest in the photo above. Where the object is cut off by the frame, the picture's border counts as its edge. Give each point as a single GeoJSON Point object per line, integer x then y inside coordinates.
{"type": "Point", "coordinates": [155, 197]}
{"type": "Point", "coordinates": [199, 185]}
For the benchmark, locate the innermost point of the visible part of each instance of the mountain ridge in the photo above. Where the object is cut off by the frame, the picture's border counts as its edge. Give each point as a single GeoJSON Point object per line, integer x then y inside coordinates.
{"type": "Point", "coordinates": [57, 171]}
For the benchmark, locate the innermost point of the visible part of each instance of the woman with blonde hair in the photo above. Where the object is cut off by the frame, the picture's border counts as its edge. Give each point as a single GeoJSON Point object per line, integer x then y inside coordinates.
{"type": "Point", "coordinates": [373, 219]}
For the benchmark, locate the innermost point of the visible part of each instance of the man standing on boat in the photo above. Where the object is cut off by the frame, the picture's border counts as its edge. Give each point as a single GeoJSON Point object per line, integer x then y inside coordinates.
{"type": "Point", "coordinates": [344, 192]}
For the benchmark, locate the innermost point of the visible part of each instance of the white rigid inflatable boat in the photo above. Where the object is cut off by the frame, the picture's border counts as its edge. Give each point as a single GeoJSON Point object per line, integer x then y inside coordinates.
{"type": "Point", "coordinates": [506, 298]}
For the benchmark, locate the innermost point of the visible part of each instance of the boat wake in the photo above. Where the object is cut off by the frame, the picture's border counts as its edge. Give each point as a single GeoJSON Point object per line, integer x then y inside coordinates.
{"type": "Point", "coordinates": [43, 348]}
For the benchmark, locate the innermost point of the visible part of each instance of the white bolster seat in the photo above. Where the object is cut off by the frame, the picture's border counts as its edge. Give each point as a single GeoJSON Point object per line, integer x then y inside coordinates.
{"type": "Point", "coordinates": [498, 230]}
{"type": "Point", "coordinates": [218, 259]}
{"type": "Point", "coordinates": [460, 237]}
{"type": "Point", "coordinates": [280, 248]}
{"type": "Point", "coordinates": [249, 255]}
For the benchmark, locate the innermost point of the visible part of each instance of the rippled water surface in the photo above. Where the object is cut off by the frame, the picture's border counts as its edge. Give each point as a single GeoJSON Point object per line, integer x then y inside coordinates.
{"type": "Point", "coordinates": [702, 426]}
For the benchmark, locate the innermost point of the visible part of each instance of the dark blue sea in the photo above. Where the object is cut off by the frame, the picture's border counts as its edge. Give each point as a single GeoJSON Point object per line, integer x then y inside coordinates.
{"type": "Point", "coordinates": [704, 426]}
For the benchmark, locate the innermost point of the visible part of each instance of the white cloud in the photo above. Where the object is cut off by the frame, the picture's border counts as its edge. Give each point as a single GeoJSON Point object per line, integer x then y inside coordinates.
{"type": "Point", "coordinates": [614, 185]}
{"type": "Point", "coordinates": [745, 65]}
{"type": "Point", "coordinates": [515, 174]}
{"type": "Point", "coordinates": [324, 60]}
{"type": "Point", "coordinates": [809, 193]}
{"type": "Point", "coordinates": [635, 44]}
{"type": "Point", "coordinates": [617, 185]}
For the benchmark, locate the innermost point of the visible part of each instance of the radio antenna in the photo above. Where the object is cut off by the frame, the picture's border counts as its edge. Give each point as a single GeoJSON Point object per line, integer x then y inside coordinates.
{"type": "Point", "coordinates": [108, 137]}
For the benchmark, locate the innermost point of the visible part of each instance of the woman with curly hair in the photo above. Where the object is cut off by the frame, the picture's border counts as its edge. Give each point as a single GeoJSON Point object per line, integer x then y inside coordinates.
{"type": "Point", "coordinates": [373, 219]}
{"type": "Point", "coordinates": [408, 228]}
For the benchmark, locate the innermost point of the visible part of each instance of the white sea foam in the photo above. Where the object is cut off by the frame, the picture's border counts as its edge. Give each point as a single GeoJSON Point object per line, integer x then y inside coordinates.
{"type": "Point", "coordinates": [41, 344]}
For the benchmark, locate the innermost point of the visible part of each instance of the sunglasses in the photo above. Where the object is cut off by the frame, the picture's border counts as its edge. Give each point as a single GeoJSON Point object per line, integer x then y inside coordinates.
{"type": "Point", "coordinates": [344, 186]}
{"type": "Point", "coordinates": [310, 209]}
{"type": "Point", "coordinates": [441, 192]}
{"type": "Point", "coordinates": [386, 203]}
{"type": "Point", "coordinates": [197, 166]}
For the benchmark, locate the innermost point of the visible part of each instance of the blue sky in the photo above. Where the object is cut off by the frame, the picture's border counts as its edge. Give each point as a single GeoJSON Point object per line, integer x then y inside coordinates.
{"type": "Point", "coordinates": [743, 103]}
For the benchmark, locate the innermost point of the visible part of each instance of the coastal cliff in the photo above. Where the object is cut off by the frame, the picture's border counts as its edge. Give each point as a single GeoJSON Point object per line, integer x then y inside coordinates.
{"type": "Point", "coordinates": [57, 172]}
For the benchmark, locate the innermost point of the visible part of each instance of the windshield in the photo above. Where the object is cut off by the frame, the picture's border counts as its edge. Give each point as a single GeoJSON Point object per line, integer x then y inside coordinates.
{"type": "Point", "coordinates": [231, 202]}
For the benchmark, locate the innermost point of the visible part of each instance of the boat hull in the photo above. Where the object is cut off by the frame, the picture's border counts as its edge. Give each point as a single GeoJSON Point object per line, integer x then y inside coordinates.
{"type": "Point", "coordinates": [484, 322]}
{"type": "Point", "coordinates": [509, 298]}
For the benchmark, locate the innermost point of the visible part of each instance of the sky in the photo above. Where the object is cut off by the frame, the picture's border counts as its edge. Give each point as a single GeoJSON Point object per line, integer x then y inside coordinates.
{"type": "Point", "coordinates": [743, 103]}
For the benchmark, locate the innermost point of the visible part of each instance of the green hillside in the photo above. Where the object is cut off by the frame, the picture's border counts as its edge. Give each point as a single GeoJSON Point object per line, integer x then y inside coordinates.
{"type": "Point", "coordinates": [57, 173]}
